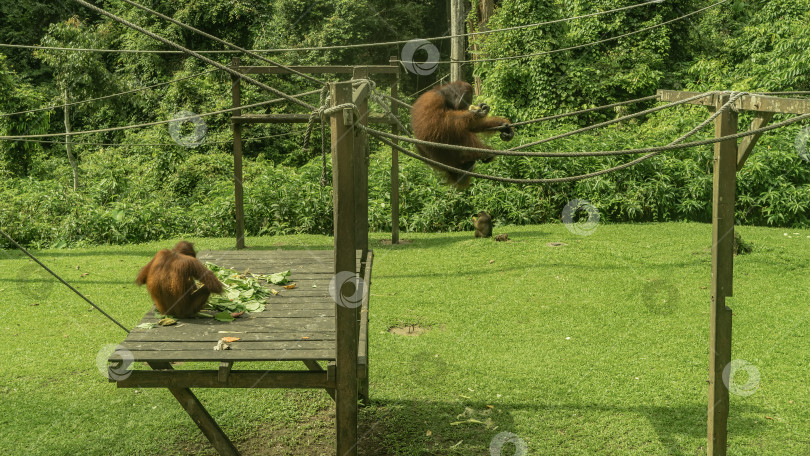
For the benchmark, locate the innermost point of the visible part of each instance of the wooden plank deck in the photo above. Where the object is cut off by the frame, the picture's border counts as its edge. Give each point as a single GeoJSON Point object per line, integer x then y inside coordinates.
{"type": "Point", "coordinates": [297, 325]}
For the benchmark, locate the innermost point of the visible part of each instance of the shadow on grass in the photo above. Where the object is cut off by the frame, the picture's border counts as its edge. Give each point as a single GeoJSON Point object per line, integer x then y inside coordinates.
{"type": "Point", "coordinates": [438, 240]}
{"type": "Point", "coordinates": [396, 427]}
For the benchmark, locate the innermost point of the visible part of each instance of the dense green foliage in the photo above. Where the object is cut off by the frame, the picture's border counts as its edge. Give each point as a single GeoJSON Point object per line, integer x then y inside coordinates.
{"type": "Point", "coordinates": [138, 184]}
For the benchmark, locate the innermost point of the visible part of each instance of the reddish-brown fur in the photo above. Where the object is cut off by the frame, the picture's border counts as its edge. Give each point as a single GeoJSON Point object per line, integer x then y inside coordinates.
{"type": "Point", "coordinates": [442, 115]}
{"type": "Point", "coordinates": [169, 277]}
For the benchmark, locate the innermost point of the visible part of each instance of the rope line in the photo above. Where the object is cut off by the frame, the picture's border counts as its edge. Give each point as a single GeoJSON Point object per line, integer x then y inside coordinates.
{"type": "Point", "coordinates": [221, 41]}
{"type": "Point", "coordinates": [583, 111]}
{"type": "Point", "coordinates": [197, 55]}
{"type": "Point", "coordinates": [380, 99]}
{"type": "Point", "coordinates": [545, 140]}
{"type": "Point", "coordinates": [255, 138]}
{"type": "Point", "coordinates": [654, 150]}
{"type": "Point", "coordinates": [153, 86]}
{"type": "Point", "coordinates": [63, 281]}
{"type": "Point", "coordinates": [592, 43]}
{"type": "Point", "coordinates": [616, 120]}
{"type": "Point", "coordinates": [337, 47]}
{"type": "Point", "coordinates": [160, 122]}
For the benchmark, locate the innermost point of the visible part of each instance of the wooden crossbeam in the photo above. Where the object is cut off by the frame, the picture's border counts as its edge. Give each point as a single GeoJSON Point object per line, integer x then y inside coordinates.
{"type": "Point", "coordinates": [762, 103]}
{"type": "Point", "coordinates": [235, 379]}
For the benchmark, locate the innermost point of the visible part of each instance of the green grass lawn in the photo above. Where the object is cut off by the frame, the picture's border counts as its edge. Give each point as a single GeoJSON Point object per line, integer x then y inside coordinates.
{"type": "Point", "coordinates": [595, 347]}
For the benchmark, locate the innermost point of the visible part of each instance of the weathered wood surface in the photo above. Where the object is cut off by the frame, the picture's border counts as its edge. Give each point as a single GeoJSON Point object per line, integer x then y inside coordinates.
{"type": "Point", "coordinates": [762, 103]}
{"type": "Point", "coordinates": [297, 325]}
{"type": "Point", "coordinates": [725, 168]}
{"type": "Point", "coordinates": [344, 183]}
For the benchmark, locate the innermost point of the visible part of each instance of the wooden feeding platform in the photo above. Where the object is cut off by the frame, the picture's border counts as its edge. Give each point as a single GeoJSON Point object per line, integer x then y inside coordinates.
{"type": "Point", "coordinates": [298, 325]}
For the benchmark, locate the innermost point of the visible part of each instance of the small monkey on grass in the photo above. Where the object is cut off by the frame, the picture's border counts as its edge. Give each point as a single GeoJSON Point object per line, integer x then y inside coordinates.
{"type": "Point", "coordinates": [483, 224]}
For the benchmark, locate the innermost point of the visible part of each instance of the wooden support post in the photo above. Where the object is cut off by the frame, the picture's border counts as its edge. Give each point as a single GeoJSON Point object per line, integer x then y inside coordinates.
{"type": "Point", "coordinates": [364, 342]}
{"type": "Point", "coordinates": [457, 42]}
{"type": "Point", "coordinates": [394, 162]}
{"type": "Point", "coordinates": [315, 367]}
{"type": "Point", "coordinates": [200, 415]}
{"type": "Point", "coordinates": [69, 144]}
{"type": "Point", "coordinates": [236, 90]}
{"type": "Point", "coordinates": [360, 99]}
{"type": "Point", "coordinates": [343, 184]}
{"type": "Point", "coordinates": [725, 168]}
{"type": "Point", "coordinates": [224, 370]}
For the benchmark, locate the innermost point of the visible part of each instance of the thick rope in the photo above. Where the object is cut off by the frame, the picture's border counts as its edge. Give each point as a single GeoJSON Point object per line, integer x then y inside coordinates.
{"type": "Point", "coordinates": [313, 116]}
{"type": "Point", "coordinates": [380, 100]}
{"type": "Point", "coordinates": [592, 43]}
{"type": "Point", "coordinates": [513, 151]}
{"type": "Point", "coordinates": [197, 55]}
{"type": "Point", "coordinates": [345, 46]}
{"type": "Point", "coordinates": [221, 41]}
{"type": "Point", "coordinates": [46, 108]}
{"type": "Point", "coordinates": [583, 111]}
{"type": "Point", "coordinates": [509, 153]}
{"type": "Point", "coordinates": [63, 281]}
{"type": "Point", "coordinates": [160, 122]}
{"type": "Point", "coordinates": [658, 150]}
{"type": "Point", "coordinates": [616, 120]}
{"type": "Point", "coordinates": [230, 141]}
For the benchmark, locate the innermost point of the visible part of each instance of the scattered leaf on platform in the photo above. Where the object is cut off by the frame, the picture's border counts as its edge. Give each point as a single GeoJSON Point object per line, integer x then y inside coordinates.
{"type": "Point", "coordinates": [167, 321]}
{"type": "Point", "coordinates": [230, 339]}
{"type": "Point", "coordinates": [146, 325]}
{"type": "Point", "coordinates": [224, 316]}
{"type": "Point", "coordinates": [290, 286]}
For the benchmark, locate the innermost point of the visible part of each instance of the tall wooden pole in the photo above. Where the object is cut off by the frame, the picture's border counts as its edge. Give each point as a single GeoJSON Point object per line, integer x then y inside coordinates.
{"type": "Point", "coordinates": [69, 145]}
{"type": "Point", "coordinates": [395, 161]}
{"type": "Point", "coordinates": [456, 43]}
{"type": "Point", "coordinates": [486, 8]}
{"type": "Point", "coordinates": [236, 92]}
{"type": "Point", "coordinates": [725, 167]}
{"type": "Point", "coordinates": [343, 184]}
{"type": "Point", "coordinates": [360, 99]}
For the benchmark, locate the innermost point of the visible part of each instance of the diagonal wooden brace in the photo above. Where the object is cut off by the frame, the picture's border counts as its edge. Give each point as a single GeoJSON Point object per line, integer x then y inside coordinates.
{"type": "Point", "coordinates": [748, 143]}
{"type": "Point", "coordinates": [200, 415]}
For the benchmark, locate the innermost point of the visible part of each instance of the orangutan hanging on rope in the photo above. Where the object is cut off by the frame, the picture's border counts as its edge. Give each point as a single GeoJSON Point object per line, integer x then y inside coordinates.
{"type": "Point", "coordinates": [446, 115]}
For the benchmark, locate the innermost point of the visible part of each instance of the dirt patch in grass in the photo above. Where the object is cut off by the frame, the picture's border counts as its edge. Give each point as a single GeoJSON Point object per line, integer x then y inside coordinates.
{"type": "Point", "coordinates": [408, 330]}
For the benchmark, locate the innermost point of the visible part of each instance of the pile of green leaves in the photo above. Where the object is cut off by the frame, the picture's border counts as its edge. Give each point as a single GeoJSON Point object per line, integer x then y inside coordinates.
{"type": "Point", "coordinates": [243, 293]}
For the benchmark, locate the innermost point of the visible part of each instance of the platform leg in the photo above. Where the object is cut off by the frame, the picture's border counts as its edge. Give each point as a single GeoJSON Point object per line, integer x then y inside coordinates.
{"type": "Point", "coordinates": [200, 416]}
{"type": "Point", "coordinates": [315, 367]}
{"type": "Point", "coordinates": [725, 168]}
{"type": "Point", "coordinates": [343, 183]}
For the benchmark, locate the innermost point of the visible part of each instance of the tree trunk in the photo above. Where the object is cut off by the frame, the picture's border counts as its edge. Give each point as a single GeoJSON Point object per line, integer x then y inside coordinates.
{"type": "Point", "coordinates": [69, 146]}
{"type": "Point", "coordinates": [456, 43]}
{"type": "Point", "coordinates": [486, 8]}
